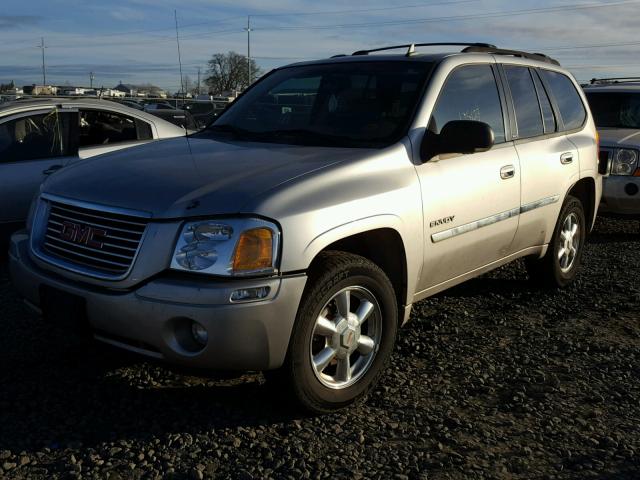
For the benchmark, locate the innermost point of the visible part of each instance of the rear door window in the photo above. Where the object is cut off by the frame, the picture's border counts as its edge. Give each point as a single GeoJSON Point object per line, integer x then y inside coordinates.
{"type": "Point", "coordinates": [525, 101]}
{"type": "Point", "coordinates": [470, 93]}
{"type": "Point", "coordinates": [100, 127]}
{"type": "Point", "coordinates": [39, 136]}
{"type": "Point", "coordinates": [568, 99]}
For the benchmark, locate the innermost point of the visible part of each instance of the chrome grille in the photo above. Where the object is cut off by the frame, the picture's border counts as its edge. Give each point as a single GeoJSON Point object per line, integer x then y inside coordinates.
{"type": "Point", "coordinates": [103, 242]}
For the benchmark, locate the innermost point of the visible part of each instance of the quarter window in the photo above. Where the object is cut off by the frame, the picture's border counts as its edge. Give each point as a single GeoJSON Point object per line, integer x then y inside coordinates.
{"type": "Point", "coordinates": [525, 102]}
{"type": "Point", "coordinates": [571, 108]}
{"type": "Point", "coordinates": [41, 136]}
{"type": "Point", "coordinates": [470, 93]}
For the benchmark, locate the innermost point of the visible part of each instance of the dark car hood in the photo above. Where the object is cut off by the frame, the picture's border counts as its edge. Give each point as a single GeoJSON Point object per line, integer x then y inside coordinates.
{"type": "Point", "coordinates": [614, 137]}
{"type": "Point", "coordinates": [190, 176]}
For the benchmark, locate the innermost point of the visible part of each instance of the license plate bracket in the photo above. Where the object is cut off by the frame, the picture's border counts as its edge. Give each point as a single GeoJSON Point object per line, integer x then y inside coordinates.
{"type": "Point", "coordinates": [64, 309]}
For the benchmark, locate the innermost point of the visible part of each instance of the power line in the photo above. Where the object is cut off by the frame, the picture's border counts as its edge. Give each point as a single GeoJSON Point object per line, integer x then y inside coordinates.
{"type": "Point", "coordinates": [381, 9]}
{"type": "Point", "coordinates": [529, 11]}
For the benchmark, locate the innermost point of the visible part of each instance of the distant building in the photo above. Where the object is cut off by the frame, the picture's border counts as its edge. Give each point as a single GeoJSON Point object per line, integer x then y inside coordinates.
{"type": "Point", "coordinates": [72, 91]}
{"type": "Point", "coordinates": [111, 92]}
{"type": "Point", "coordinates": [131, 90]}
{"type": "Point", "coordinates": [40, 90]}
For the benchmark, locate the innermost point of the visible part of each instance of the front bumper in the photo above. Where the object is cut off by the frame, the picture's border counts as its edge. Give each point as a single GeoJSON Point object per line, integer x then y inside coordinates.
{"type": "Point", "coordinates": [621, 195]}
{"type": "Point", "coordinates": [153, 318]}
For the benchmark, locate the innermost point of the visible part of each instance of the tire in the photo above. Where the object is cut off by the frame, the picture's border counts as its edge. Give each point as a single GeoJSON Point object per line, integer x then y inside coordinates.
{"type": "Point", "coordinates": [367, 345]}
{"type": "Point", "coordinates": [557, 269]}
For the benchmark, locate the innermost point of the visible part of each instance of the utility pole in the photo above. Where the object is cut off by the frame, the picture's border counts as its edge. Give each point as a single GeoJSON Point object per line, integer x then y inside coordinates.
{"type": "Point", "coordinates": [249, 49]}
{"type": "Point", "coordinates": [198, 80]}
{"type": "Point", "coordinates": [91, 78]}
{"type": "Point", "coordinates": [44, 74]}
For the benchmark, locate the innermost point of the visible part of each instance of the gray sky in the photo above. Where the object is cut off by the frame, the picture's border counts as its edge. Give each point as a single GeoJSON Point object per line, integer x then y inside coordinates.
{"type": "Point", "coordinates": [134, 41]}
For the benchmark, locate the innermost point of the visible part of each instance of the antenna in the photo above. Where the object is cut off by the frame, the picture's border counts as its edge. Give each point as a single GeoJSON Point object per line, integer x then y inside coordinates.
{"type": "Point", "coordinates": [249, 50]}
{"type": "Point", "coordinates": [175, 14]}
{"type": "Point", "coordinates": [411, 50]}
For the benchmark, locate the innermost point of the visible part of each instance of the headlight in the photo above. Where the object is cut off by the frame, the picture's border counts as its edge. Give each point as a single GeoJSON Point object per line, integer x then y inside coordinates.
{"type": "Point", "coordinates": [228, 247]}
{"type": "Point", "coordinates": [625, 162]}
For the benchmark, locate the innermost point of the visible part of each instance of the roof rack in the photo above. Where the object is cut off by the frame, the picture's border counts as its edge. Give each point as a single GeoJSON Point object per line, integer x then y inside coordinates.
{"type": "Point", "coordinates": [595, 81]}
{"type": "Point", "coordinates": [541, 57]}
{"type": "Point", "coordinates": [411, 47]}
{"type": "Point", "coordinates": [469, 48]}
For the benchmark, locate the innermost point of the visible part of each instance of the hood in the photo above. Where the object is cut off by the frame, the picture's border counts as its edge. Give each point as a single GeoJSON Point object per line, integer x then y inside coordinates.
{"type": "Point", "coordinates": [193, 176]}
{"type": "Point", "coordinates": [618, 137]}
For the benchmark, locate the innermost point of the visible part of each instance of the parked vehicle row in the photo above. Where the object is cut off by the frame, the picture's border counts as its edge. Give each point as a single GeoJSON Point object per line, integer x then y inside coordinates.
{"type": "Point", "coordinates": [296, 232]}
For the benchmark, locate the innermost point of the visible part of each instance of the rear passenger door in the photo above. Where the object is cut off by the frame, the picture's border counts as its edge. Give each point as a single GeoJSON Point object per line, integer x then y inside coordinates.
{"type": "Point", "coordinates": [103, 131]}
{"type": "Point", "coordinates": [549, 162]}
{"type": "Point", "coordinates": [32, 145]}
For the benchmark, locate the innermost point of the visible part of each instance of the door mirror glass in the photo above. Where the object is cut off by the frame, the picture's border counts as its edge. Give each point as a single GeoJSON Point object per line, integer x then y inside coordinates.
{"type": "Point", "coordinates": [458, 136]}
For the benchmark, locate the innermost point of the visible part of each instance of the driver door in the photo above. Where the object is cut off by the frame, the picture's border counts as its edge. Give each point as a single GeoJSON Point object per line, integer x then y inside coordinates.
{"type": "Point", "coordinates": [471, 202]}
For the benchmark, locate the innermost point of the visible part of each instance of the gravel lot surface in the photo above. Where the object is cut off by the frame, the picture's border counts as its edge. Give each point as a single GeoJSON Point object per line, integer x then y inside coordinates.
{"type": "Point", "coordinates": [492, 379]}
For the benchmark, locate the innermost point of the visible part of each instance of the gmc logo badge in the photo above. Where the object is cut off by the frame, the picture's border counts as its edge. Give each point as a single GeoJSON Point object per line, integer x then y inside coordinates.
{"type": "Point", "coordinates": [82, 234]}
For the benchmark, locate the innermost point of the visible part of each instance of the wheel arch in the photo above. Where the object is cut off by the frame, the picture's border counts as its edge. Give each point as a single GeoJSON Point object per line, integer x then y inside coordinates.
{"type": "Point", "coordinates": [384, 247]}
{"type": "Point", "coordinates": [585, 191]}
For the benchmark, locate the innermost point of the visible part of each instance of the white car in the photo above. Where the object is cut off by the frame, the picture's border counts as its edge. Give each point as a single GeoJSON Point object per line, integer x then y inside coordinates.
{"type": "Point", "coordinates": [38, 137]}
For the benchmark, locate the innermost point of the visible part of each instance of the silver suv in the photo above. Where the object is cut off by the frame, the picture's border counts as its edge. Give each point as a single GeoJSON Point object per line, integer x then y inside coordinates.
{"type": "Point", "coordinates": [615, 103]}
{"type": "Point", "coordinates": [295, 233]}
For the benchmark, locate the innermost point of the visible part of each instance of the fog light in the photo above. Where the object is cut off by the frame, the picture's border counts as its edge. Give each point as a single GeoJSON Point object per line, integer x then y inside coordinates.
{"type": "Point", "coordinates": [248, 294]}
{"type": "Point", "coordinates": [199, 333]}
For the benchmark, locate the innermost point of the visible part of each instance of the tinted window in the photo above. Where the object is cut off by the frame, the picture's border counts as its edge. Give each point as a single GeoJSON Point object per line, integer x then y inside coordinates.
{"type": "Point", "coordinates": [200, 108]}
{"type": "Point", "coordinates": [359, 104]}
{"type": "Point", "coordinates": [470, 93]}
{"type": "Point", "coordinates": [98, 127]}
{"type": "Point", "coordinates": [548, 117]}
{"type": "Point", "coordinates": [615, 109]}
{"type": "Point", "coordinates": [525, 102]}
{"type": "Point", "coordinates": [571, 108]}
{"type": "Point", "coordinates": [35, 137]}
{"type": "Point", "coordinates": [180, 118]}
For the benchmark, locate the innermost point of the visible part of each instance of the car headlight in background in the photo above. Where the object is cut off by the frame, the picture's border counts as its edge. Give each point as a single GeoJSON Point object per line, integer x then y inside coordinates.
{"type": "Point", "coordinates": [243, 246]}
{"type": "Point", "coordinates": [625, 161]}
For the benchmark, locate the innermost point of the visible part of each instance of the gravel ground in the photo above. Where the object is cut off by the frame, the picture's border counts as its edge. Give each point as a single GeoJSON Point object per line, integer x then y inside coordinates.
{"type": "Point", "coordinates": [492, 379]}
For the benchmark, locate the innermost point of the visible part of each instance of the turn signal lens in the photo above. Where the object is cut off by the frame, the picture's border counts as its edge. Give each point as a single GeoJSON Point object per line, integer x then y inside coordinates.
{"type": "Point", "coordinates": [254, 251]}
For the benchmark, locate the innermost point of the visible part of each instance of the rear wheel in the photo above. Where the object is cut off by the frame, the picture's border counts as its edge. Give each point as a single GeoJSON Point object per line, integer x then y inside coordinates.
{"type": "Point", "coordinates": [344, 332]}
{"type": "Point", "coordinates": [559, 266]}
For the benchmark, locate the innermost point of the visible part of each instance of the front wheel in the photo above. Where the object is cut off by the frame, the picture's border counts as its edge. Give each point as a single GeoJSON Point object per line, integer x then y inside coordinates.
{"type": "Point", "coordinates": [559, 266]}
{"type": "Point", "coordinates": [344, 332]}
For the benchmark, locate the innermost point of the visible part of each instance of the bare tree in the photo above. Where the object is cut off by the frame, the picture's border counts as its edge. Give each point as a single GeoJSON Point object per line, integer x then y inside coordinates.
{"type": "Point", "coordinates": [229, 71]}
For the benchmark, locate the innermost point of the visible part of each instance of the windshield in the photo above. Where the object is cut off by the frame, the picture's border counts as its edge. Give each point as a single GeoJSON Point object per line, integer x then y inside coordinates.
{"type": "Point", "coordinates": [615, 109]}
{"type": "Point", "coordinates": [357, 104]}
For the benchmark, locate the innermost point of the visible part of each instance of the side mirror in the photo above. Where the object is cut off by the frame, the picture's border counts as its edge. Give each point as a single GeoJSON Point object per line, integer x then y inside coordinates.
{"type": "Point", "coordinates": [458, 136]}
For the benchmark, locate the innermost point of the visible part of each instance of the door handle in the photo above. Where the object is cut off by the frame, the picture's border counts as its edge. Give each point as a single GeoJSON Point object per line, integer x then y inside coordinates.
{"type": "Point", "coordinates": [52, 169]}
{"type": "Point", "coordinates": [566, 158]}
{"type": "Point", "coordinates": [508, 171]}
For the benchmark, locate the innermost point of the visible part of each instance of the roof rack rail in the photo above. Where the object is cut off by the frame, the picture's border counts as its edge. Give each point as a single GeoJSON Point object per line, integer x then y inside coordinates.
{"type": "Point", "coordinates": [411, 46]}
{"type": "Point", "coordinates": [541, 57]}
{"type": "Point", "coordinates": [594, 81]}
